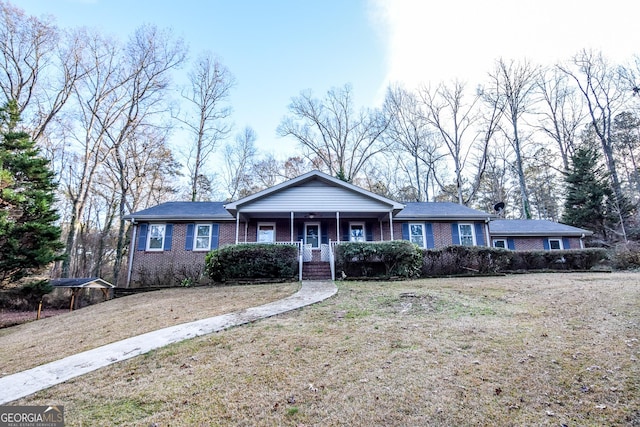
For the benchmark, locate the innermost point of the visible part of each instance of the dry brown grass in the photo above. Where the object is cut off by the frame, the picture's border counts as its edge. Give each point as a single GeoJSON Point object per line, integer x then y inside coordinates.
{"type": "Point", "coordinates": [31, 344]}
{"type": "Point", "coordinates": [546, 349]}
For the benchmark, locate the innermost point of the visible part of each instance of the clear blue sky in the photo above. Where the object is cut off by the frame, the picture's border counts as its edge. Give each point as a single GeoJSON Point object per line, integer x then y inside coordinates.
{"type": "Point", "coordinates": [276, 48]}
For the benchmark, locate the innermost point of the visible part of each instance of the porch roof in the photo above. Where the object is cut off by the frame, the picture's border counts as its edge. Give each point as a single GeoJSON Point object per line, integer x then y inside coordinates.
{"type": "Point", "coordinates": [314, 192]}
{"type": "Point", "coordinates": [534, 227]}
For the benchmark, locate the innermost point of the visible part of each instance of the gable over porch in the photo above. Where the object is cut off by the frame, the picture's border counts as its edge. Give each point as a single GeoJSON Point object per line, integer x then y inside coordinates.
{"type": "Point", "coordinates": [314, 208]}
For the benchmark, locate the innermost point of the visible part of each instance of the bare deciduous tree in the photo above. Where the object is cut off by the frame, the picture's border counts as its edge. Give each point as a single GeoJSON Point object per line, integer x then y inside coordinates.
{"type": "Point", "coordinates": [149, 57]}
{"type": "Point", "coordinates": [88, 153]}
{"type": "Point", "coordinates": [408, 131]}
{"type": "Point", "coordinates": [123, 93]}
{"type": "Point", "coordinates": [600, 85]}
{"type": "Point", "coordinates": [238, 164]}
{"type": "Point", "coordinates": [268, 172]}
{"type": "Point", "coordinates": [511, 87]}
{"type": "Point", "coordinates": [39, 66]}
{"type": "Point", "coordinates": [332, 131]}
{"type": "Point", "coordinates": [465, 131]}
{"type": "Point", "coordinates": [626, 138]}
{"type": "Point", "coordinates": [495, 184]}
{"type": "Point", "coordinates": [210, 84]}
{"type": "Point", "coordinates": [562, 114]}
{"type": "Point", "coordinates": [26, 47]}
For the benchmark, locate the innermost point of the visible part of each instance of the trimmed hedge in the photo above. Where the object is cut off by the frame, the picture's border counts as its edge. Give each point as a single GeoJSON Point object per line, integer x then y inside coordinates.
{"type": "Point", "coordinates": [404, 259]}
{"type": "Point", "coordinates": [259, 261]}
{"type": "Point", "coordinates": [582, 259]}
{"type": "Point", "coordinates": [456, 260]}
{"type": "Point", "coordinates": [397, 258]}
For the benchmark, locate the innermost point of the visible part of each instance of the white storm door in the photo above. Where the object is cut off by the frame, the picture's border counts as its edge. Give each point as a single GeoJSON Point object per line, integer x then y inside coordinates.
{"type": "Point", "coordinates": [312, 235]}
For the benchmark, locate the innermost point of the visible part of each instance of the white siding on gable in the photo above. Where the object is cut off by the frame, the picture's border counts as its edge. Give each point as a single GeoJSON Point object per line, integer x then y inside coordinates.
{"type": "Point", "coordinates": [316, 196]}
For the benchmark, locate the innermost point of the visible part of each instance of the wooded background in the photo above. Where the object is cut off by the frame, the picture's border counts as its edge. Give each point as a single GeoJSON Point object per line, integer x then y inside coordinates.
{"type": "Point", "coordinates": [551, 141]}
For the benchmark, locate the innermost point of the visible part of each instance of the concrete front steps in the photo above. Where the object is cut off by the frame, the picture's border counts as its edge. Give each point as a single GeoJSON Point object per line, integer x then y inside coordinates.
{"type": "Point", "coordinates": [316, 271]}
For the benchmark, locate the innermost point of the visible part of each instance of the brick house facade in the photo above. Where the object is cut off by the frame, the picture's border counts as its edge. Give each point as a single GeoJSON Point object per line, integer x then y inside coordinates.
{"type": "Point", "coordinates": [315, 211]}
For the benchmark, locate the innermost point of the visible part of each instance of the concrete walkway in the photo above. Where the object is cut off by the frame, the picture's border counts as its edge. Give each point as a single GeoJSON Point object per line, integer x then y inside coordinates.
{"type": "Point", "coordinates": [21, 384]}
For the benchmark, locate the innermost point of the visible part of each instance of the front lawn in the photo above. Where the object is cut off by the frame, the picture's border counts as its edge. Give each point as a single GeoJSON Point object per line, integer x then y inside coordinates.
{"type": "Point", "coordinates": [539, 349]}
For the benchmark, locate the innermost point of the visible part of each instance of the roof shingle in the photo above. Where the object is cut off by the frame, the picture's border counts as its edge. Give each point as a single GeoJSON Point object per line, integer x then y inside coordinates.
{"type": "Point", "coordinates": [440, 210]}
{"type": "Point", "coordinates": [533, 227]}
{"type": "Point", "coordinates": [183, 211]}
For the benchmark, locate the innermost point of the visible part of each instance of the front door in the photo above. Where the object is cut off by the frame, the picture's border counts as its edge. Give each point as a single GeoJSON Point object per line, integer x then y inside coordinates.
{"type": "Point", "coordinates": [312, 235]}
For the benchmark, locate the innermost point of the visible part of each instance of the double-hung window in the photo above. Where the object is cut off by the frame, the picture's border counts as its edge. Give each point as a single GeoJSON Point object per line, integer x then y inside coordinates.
{"type": "Point", "coordinates": [155, 237]}
{"type": "Point", "coordinates": [267, 232]}
{"type": "Point", "coordinates": [416, 234]}
{"type": "Point", "coordinates": [500, 243]}
{"type": "Point", "coordinates": [467, 237]}
{"type": "Point", "coordinates": [555, 244]}
{"type": "Point", "coordinates": [202, 241]}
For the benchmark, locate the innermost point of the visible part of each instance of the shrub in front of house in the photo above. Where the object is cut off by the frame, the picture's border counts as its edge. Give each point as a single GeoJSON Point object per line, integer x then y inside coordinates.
{"type": "Point", "coordinates": [397, 258]}
{"type": "Point", "coordinates": [470, 260]}
{"type": "Point", "coordinates": [626, 256]}
{"type": "Point", "coordinates": [459, 260]}
{"type": "Point", "coordinates": [569, 260]}
{"type": "Point", "coordinates": [255, 261]}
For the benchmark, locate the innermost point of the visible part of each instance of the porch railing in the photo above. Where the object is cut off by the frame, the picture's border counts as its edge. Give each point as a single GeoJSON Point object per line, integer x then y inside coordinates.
{"type": "Point", "coordinates": [332, 260]}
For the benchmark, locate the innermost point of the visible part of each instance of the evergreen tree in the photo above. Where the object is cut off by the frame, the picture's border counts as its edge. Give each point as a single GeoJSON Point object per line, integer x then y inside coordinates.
{"type": "Point", "coordinates": [29, 238]}
{"type": "Point", "coordinates": [589, 197]}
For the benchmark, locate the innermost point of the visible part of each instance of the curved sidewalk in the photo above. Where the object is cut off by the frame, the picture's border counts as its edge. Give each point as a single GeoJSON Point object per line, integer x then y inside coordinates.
{"type": "Point", "coordinates": [21, 384]}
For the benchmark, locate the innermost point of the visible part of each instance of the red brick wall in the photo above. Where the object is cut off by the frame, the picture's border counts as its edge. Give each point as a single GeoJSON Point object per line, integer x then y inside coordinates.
{"type": "Point", "coordinates": [442, 234]}
{"type": "Point", "coordinates": [574, 242]}
{"type": "Point", "coordinates": [528, 243]}
{"type": "Point", "coordinates": [166, 268]}
{"type": "Point", "coordinates": [227, 234]}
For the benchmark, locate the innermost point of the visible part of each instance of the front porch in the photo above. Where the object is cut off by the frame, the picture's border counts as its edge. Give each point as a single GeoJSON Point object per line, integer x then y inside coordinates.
{"type": "Point", "coordinates": [312, 211]}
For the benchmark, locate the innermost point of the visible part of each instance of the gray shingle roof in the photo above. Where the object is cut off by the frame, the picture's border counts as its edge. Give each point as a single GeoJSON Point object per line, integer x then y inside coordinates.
{"type": "Point", "coordinates": [183, 211]}
{"type": "Point", "coordinates": [533, 227]}
{"type": "Point", "coordinates": [440, 211]}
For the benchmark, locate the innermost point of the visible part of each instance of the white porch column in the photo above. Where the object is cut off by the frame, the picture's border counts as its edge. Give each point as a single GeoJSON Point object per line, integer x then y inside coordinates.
{"type": "Point", "coordinates": [487, 233]}
{"type": "Point", "coordinates": [381, 231]}
{"type": "Point", "coordinates": [291, 226]}
{"type": "Point", "coordinates": [338, 226]}
{"type": "Point", "coordinates": [237, 226]}
{"type": "Point", "coordinates": [391, 223]}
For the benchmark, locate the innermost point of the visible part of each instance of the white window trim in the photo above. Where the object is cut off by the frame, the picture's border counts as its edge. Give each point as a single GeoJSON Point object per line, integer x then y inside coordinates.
{"type": "Point", "coordinates": [270, 224]}
{"type": "Point", "coordinates": [195, 236]}
{"type": "Point", "coordinates": [506, 245]}
{"type": "Point", "coordinates": [560, 243]}
{"type": "Point", "coordinates": [164, 237]}
{"type": "Point", "coordinates": [473, 233]}
{"type": "Point", "coordinates": [424, 233]}
{"type": "Point", "coordinates": [364, 230]}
